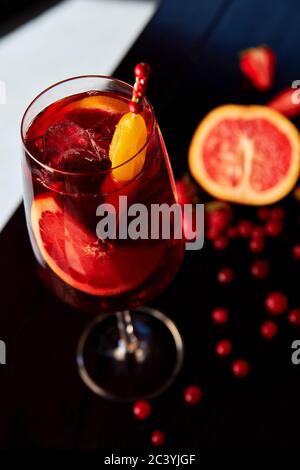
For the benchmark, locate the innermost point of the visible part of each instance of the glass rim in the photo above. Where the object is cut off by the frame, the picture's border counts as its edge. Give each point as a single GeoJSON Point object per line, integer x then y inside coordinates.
{"type": "Point", "coordinates": [94, 173]}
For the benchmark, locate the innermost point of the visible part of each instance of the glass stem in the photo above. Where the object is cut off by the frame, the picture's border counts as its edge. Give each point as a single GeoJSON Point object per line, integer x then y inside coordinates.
{"type": "Point", "coordinates": [126, 331]}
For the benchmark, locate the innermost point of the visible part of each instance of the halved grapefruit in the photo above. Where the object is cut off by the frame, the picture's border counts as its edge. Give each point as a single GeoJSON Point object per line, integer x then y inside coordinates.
{"type": "Point", "coordinates": [83, 261]}
{"type": "Point", "coordinates": [245, 154]}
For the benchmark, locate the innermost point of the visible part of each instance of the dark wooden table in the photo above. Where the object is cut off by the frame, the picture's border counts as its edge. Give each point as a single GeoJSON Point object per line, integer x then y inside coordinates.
{"type": "Point", "coordinates": [193, 48]}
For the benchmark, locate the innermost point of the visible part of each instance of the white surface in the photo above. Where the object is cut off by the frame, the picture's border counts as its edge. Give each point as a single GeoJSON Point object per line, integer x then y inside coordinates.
{"type": "Point", "coordinates": [74, 38]}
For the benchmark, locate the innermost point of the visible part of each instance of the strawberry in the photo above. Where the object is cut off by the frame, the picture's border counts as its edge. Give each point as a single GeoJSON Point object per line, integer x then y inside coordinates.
{"type": "Point", "coordinates": [217, 218]}
{"type": "Point", "coordinates": [258, 64]}
{"type": "Point", "coordinates": [187, 191]}
{"type": "Point", "coordinates": [287, 102]}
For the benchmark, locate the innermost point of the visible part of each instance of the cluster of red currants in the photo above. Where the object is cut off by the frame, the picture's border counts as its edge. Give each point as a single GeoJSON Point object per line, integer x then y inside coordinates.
{"type": "Point", "coordinates": [141, 72]}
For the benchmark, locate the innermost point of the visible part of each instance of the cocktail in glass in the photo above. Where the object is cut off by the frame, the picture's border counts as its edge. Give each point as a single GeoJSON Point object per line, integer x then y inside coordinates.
{"type": "Point", "coordinates": [71, 185]}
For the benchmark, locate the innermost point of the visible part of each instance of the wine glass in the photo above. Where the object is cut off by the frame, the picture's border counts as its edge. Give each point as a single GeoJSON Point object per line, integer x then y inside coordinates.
{"type": "Point", "coordinates": [127, 351]}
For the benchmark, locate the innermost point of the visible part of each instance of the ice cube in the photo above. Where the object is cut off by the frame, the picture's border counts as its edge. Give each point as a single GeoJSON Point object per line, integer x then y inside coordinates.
{"type": "Point", "coordinates": [105, 128]}
{"type": "Point", "coordinates": [101, 134]}
{"type": "Point", "coordinates": [69, 147]}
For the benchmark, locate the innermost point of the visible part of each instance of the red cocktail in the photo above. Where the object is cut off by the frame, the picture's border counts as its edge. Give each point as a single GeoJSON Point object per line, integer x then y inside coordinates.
{"type": "Point", "coordinates": [84, 149]}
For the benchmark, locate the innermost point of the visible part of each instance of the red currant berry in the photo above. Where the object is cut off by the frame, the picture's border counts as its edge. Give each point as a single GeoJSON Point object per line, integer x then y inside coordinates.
{"type": "Point", "coordinates": [273, 228]}
{"type": "Point", "coordinates": [212, 235]}
{"type": "Point", "coordinates": [232, 232]}
{"type": "Point", "coordinates": [244, 228]}
{"type": "Point", "coordinates": [193, 394]}
{"type": "Point", "coordinates": [263, 213]}
{"type": "Point", "coordinates": [294, 316]}
{"type": "Point", "coordinates": [240, 368]}
{"type": "Point", "coordinates": [260, 269]}
{"type": "Point", "coordinates": [276, 303]}
{"type": "Point", "coordinates": [225, 275]}
{"type": "Point", "coordinates": [257, 232]}
{"type": "Point", "coordinates": [142, 409]}
{"type": "Point", "coordinates": [158, 438]}
{"type": "Point", "coordinates": [220, 315]}
{"type": "Point", "coordinates": [134, 107]}
{"type": "Point", "coordinates": [256, 245]}
{"type": "Point", "coordinates": [224, 347]}
{"type": "Point", "coordinates": [296, 252]}
{"type": "Point", "coordinates": [277, 213]}
{"type": "Point", "coordinates": [142, 70]}
{"type": "Point", "coordinates": [221, 243]}
{"type": "Point", "coordinates": [269, 329]}
{"type": "Point", "coordinates": [139, 87]}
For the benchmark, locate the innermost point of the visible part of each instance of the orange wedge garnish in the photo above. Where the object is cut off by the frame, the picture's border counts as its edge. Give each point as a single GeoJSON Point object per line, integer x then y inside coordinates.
{"type": "Point", "coordinates": [128, 147]}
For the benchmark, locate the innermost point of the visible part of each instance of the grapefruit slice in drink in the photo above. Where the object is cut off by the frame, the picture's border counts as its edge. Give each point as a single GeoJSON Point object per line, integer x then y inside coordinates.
{"type": "Point", "coordinates": [245, 154]}
{"type": "Point", "coordinates": [104, 103]}
{"type": "Point", "coordinates": [82, 260]}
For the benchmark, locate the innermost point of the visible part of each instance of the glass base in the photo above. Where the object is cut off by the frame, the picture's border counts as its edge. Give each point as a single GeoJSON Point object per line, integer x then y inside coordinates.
{"type": "Point", "coordinates": [127, 369]}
